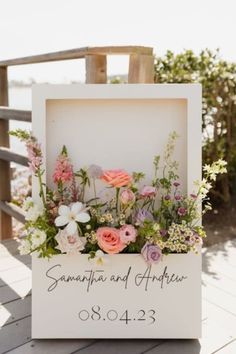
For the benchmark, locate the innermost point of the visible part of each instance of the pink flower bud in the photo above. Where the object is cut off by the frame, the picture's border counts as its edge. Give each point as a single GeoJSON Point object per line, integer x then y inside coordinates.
{"type": "Point", "coordinates": [148, 191]}
{"type": "Point", "coordinates": [127, 196]}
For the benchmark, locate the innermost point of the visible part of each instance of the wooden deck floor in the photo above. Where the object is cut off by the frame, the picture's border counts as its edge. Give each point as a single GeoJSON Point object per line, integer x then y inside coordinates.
{"type": "Point", "coordinates": [219, 311]}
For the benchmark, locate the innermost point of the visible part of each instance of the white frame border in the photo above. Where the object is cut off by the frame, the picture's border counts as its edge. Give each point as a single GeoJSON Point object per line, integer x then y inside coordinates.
{"type": "Point", "coordinates": [190, 92]}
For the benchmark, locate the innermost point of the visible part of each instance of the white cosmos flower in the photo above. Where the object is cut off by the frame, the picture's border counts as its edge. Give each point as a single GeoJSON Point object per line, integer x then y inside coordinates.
{"type": "Point", "coordinates": [34, 212]}
{"type": "Point", "coordinates": [70, 215]}
{"type": "Point", "coordinates": [28, 203]}
{"type": "Point", "coordinates": [38, 237]}
{"type": "Point", "coordinates": [25, 247]}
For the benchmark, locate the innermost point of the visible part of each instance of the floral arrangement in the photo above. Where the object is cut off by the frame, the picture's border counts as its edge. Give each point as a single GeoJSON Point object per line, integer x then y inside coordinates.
{"type": "Point", "coordinates": [127, 216]}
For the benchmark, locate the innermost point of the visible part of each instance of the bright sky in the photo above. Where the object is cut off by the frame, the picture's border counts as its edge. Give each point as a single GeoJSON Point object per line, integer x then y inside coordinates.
{"type": "Point", "coordinates": [30, 27]}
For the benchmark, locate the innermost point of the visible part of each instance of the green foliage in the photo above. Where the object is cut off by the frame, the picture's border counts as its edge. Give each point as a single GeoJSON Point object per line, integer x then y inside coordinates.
{"type": "Point", "coordinates": [84, 180]}
{"type": "Point", "coordinates": [218, 79]}
{"type": "Point", "coordinates": [21, 134]}
{"type": "Point", "coordinates": [138, 176]}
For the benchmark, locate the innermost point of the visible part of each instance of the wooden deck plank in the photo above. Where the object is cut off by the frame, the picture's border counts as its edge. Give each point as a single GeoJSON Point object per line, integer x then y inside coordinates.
{"type": "Point", "coordinates": [214, 312]}
{"type": "Point", "coordinates": [225, 284]}
{"type": "Point", "coordinates": [15, 261]}
{"type": "Point", "coordinates": [17, 290]}
{"type": "Point", "coordinates": [115, 346]}
{"type": "Point", "coordinates": [13, 275]}
{"type": "Point", "coordinates": [53, 346]}
{"type": "Point", "coordinates": [16, 310]}
{"type": "Point", "coordinates": [220, 267]}
{"type": "Point", "coordinates": [228, 349]}
{"type": "Point", "coordinates": [9, 247]}
{"type": "Point", "coordinates": [219, 297]}
{"type": "Point", "coordinates": [226, 249]}
{"type": "Point", "coordinates": [214, 337]}
{"type": "Point", "coordinates": [15, 334]}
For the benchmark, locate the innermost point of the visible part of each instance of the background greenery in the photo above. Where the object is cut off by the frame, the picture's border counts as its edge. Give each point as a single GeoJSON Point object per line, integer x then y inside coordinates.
{"type": "Point", "coordinates": [218, 79]}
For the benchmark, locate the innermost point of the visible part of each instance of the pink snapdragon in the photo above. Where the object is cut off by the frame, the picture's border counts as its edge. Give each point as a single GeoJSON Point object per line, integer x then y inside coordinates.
{"type": "Point", "coordinates": [63, 170]}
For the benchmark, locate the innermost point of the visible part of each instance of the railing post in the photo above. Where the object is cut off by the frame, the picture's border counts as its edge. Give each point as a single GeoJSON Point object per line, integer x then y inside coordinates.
{"type": "Point", "coordinates": [141, 69]}
{"type": "Point", "coordinates": [5, 183]}
{"type": "Point", "coordinates": [96, 69]}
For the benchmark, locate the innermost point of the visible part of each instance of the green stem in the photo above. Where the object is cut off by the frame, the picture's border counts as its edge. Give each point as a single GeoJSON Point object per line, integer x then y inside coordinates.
{"type": "Point", "coordinates": [60, 189]}
{"type": "Point", "coordinates": [117, 201]}
{"type": "Point", "coordinates": [82, 194]}
{"type": "Point", "coordinates": [80, 231]}
{"type": "Point", "coordinates": [41, 191]}
{"type": "Point", "coordinates": [94, 190]}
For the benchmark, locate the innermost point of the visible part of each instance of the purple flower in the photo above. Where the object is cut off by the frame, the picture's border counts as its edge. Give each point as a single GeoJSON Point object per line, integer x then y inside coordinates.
{"type": "Point", "coordinates": [163, 232]}
{"type": "Point", "coordinates": [194, 239]}
{"type": "Point", "coordinates": [167, 197]}
{"type": "Point", "coordinates": [198, 240]}
{"type": "Point", "coordinates": [178, 197]}
{"type": "Point", "coordinates": [142, 215]}
{"type": "Point", "coordinates": [176, 184]}
{"type": "Point", "coordinates": [151, 253]}
{"type": "Point", "coordinates": [194, 196]}
{"type": "Point", "coordinates": [182, 211]}
{"type": "Point", "coordinates": [95, 171]}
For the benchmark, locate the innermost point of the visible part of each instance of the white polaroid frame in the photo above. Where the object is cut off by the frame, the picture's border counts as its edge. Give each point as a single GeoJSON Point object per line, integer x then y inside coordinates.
{"type": "Point", "coordinates": [175, 319]}
{"type": "Point", "coordinates": [191, 93]}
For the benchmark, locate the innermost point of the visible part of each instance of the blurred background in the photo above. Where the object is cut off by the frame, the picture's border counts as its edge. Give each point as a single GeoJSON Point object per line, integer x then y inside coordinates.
{"type": "Point", "coordinates": [192, 41]}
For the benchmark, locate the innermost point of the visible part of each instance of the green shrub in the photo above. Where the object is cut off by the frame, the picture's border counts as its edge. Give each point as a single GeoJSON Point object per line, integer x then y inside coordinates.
{"type": "Point", "coordinates": [218, 79]}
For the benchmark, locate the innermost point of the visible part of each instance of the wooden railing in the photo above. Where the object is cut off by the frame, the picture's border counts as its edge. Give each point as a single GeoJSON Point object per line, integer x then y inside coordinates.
{"type": "Point", "coordinates": [141, 70]}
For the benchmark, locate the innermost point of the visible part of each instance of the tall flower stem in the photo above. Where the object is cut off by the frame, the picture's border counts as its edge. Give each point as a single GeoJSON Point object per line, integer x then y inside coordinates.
{"type": "Point", "coordinates": [60, 189]}
{"type": "Point", "coordinates": [117, 200]}
{"type": "Point", "coordinates": [94, 190]}
{"type": "Point", "coordinates": [41, 191]}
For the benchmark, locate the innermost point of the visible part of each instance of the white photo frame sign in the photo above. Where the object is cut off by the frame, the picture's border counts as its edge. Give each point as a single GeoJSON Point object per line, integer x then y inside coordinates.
{"type": "Point", "coordinates": [118, 126]}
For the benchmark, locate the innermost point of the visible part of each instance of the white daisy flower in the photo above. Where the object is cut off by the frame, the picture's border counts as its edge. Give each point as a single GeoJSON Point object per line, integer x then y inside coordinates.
{"type": "Point", "coordinates": [70, 215]}
{"type": "Point", "coordinates": [38, 237]}
{"type": "Point", "coordinates": [28, 203]}
{"type": "Point", "coordinates": [34, 212]}
{"type": "Point", "coordinates": [25, 247]}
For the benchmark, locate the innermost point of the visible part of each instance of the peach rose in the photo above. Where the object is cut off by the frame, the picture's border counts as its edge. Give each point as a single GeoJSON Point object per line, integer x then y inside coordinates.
{"type": "Point", "coordinates": [109, 240]}
{"type": "Point", "coordinates": [116, 178]}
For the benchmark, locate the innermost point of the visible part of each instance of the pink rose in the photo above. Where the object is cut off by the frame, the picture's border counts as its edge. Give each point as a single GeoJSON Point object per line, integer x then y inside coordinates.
{"type": "Point", "coordinates": [127, 196]}
{"type": "Point", "coordinates": [109, 240]}
{"type": "Point", "coordinates": [148, 191]}
{"type": "Point", "coordinates": [128, 234]}
{"type": "Point", "coordinates": [116, 178]}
